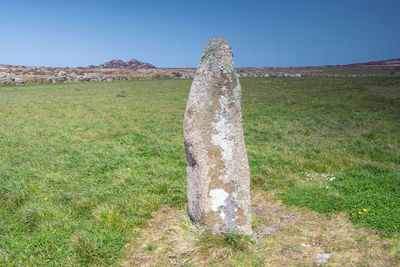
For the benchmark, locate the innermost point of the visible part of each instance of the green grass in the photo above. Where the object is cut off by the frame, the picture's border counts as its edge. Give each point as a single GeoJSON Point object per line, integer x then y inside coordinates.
{"type": "Point", "coordinates": [368, 188]}
{"type": "Point", "coordinates": [82, 165]}
{"type": "Point", "coordinates": [73, 144]}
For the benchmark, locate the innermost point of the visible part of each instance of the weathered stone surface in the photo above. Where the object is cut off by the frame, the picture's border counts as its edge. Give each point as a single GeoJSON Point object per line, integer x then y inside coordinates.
{"type": "Point", "coordinates": [218, 174]}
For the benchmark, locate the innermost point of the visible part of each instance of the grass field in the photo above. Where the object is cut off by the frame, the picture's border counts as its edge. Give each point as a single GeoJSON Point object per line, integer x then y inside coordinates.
{"type": "Point", "coordinates": [84, 165]}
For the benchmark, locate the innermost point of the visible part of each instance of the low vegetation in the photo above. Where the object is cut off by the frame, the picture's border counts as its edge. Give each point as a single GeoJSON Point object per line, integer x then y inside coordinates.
{"type": "Point", "coordinates": [85, 167]}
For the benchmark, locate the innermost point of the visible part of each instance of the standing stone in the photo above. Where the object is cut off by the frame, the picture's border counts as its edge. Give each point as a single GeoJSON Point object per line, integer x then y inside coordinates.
{"type": "Point", "coordinates": [218, 174]}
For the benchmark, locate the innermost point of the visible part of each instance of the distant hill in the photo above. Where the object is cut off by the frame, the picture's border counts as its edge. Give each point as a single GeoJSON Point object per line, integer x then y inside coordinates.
{"type": "Point", "coordinates": [120, 64]}
{"type": "Point", "coordinates": [381, 64]}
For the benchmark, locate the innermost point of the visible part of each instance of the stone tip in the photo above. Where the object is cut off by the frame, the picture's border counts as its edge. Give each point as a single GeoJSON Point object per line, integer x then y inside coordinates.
{"type": "Point", "coordinates": [217, 41]}
{"type": "Point", "coordinates": [217, 48]}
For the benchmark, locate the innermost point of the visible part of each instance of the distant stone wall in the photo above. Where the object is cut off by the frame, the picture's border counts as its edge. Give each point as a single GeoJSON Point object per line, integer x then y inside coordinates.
{"type": "Point", "coordinates": [36, 75]}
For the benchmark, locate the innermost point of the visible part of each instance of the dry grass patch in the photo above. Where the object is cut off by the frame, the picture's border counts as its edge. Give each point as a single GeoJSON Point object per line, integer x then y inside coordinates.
{"type": "Point", "coordinates": [172, 238]}
{"type": "Point", "coordinates": [285, 236]}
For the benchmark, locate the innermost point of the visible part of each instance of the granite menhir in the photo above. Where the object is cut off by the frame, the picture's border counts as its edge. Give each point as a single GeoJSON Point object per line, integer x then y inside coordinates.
{"type": "Point", "coordinates": [218, 173]}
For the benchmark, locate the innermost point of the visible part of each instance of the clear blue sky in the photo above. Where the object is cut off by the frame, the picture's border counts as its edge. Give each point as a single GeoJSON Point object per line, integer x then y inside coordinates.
{"type": "Point", "coordinates": [169, 33]}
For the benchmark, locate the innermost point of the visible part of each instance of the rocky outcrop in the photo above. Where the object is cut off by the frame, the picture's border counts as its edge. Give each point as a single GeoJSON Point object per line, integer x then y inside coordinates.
{"type": "Point", "coordinates": [131, 64]}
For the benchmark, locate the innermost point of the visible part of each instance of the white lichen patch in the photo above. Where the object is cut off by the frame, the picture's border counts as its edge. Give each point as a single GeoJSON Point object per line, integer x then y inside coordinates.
{"type": "Point", "coordinates": [218, 197]}
{"type": "Point", "coordinates": [225, 129]}
{"type": "Point", "coordinates": [225, 144]}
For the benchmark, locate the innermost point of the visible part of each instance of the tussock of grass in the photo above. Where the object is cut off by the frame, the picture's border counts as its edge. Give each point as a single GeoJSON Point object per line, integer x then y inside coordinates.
{"type": "Point", "coordinates": [174, 239]}
{"type": "Point", "coordinates": [94, 247]}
